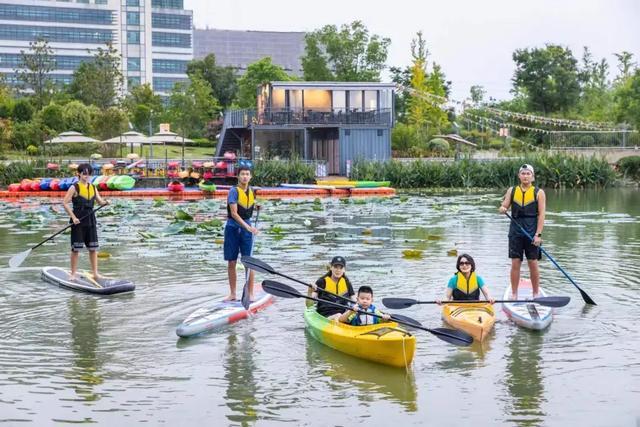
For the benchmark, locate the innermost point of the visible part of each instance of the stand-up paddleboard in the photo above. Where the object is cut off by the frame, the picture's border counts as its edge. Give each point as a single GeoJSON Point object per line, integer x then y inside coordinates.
{"type": "Point", "coordinates": [527, 315]}
{"type": "Point", "coordinates": [85, 283]}
{"type": "Point", "coordinates": [221, 313]}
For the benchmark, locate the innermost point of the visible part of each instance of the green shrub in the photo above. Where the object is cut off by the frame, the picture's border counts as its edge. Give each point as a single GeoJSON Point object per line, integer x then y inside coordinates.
{"type": "Point", "coordinates": [32, 150]}
{"type": "Point", "coordinates": [275, 172]}
{"type": "Point", "coordinates": [587, 141]}
{"type": "Point", "coordinates": [25, 134]}
{"type": "Point", "coordinates": [629, 167]}
{"type": "Point", "coordinates": [22, 110]}
{"type": "Point", "coordinates": [82, 148]}
{"type": "Point", "coordinates": [496, 144]}
{"type": "Point", "coordinates": [16, 171]}
{"type": "Point", "coordinates": [551, 171]}
{"type": "Point", "coordinates": [439, 146]}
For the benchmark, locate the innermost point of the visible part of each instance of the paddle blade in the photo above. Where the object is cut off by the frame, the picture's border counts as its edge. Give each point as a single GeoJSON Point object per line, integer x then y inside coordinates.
{"type": "Point", "coordinates": [18, 259]}
{"type": "Point", "coordinates": [280, 289]}
{"type": "Point", "coordinates": [452, 336]}
{"type": "Point", "coordinates": [586, 297]}
{"type": "Point", "coordinates": [552, 301]}
{"type": "Point", "coordinates": [398, 303]}
{"type": "Point", "coordinates": [257, 265]}
{"type": "Point", "coordinates": [408, 321]}
{"type": "Point", "coordinates": [245, 300]}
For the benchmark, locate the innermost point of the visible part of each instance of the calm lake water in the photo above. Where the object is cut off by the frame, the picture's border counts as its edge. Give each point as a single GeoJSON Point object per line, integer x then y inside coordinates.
{"type": "Point", "coordinates": [74, 358]}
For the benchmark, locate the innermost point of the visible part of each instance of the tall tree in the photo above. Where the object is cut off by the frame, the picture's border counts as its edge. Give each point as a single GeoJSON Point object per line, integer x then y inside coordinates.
{"type": "Point", "coordinates": [346, 54]}
{"type": "Point", "coordinates": [192, 106]}
{"type": "Point", "coordinates": [33, 71]}
{"type": "Point", "coordinates": [260, 72]}
{"type": "Point", "coordinates": [627, 99]}
{"type": "Point", "coordinates": [548, 77]}
{"type": "Point", "coordinates": [223, 80]}
{"type": "Point", "coordinates": [477, 93]}
{"type": "Point", "coordinates": [143, 107]}
{"type": "Point", "coordinates": [595, 99]}
{"type": "Point", "coordinates": [99, 81]}
{"type": "Point", "coordinates": [625, 64]}
{"type": "Point", "coordinates": [425, 110]}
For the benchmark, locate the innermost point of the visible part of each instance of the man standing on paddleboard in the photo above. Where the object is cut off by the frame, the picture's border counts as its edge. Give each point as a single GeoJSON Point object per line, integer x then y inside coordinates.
{"type": "Point", "coordinates": [238, 231]}
{"type": "Point", "coordinates": [528, 206]}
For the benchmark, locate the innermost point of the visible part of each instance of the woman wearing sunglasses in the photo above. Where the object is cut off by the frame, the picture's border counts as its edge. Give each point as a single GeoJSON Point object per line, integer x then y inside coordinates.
{"type": "Point", "coordinates": [465, 283]}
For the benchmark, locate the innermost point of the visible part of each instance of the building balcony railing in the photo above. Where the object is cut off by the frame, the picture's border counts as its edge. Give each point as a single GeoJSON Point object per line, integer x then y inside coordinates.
{"type": "Point", "coordinates": [288, 116]}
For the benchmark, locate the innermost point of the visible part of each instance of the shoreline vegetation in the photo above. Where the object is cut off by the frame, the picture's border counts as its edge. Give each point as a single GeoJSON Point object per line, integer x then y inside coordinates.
{"type": "Point", "coordinates": [557, 171]}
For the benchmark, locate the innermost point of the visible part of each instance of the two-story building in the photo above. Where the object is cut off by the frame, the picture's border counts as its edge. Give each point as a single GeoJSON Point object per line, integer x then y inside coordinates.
{"type": "Point", "coordinates": [332, 123]}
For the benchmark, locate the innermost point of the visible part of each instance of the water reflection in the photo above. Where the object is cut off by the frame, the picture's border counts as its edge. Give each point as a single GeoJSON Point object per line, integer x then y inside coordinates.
{"type": "Point", "coordinates": [524, 378]}
{"type": "Point", "coordinates": [239, 375]}
{"type": "Point", "coordinates": [467, 359]}
{"type": "Point", "coordinates": [372, 380]}
{"type": "Point", "coordinates": [84, 315]}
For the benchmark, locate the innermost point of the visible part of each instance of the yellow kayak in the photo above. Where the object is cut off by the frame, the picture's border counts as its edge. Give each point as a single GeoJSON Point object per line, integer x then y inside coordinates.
{"type": "Point", "coordinates": [384, 343]}
{"type": "Point", "coordinates": [475, 319]}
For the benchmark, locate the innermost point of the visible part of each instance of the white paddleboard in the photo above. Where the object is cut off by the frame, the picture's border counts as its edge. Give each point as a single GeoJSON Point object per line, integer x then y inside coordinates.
{"type": "Point", "coordinates": [527, 315]}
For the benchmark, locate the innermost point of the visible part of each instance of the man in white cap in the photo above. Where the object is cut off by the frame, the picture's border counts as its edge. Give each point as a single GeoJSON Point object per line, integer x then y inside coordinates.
{"type": "Point", "coordinates": [528, 205]}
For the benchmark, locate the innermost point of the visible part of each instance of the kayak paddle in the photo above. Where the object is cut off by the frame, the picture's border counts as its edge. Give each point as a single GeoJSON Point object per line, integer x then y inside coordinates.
{"type": "Point", "coordinates": [263, 267]}
{"type": "Point", "coordinates": [18, 259]}
{"type": "Point", "coordinates": [449, 335]}
{"type": "Point", "coordinates": [245, 289]}
{"type": "Point", "coordinates": [585, 297]}
{"type": "Point", "coordinates": [399, 303]}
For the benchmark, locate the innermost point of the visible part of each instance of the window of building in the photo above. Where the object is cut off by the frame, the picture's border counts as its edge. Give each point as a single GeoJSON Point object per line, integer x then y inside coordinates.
{"type": "Point", "coordinates": [133, 64]}
{"type": "Point", "coordinates": [295, 99]}
{"type": "Point", "coordinates": [355, 100]}
{"type": "Point", "coordinates": [82, 1]}
{"type": "Point", "coordinates": [171, 39]}
{"type": "Point", "coordinates": [101, 1]}
{"type": "Point", "coordinates": [169, 66]}
{"type": "Point", "coordinates": [277, 99]}
{"type": "Point", "coordinates": [168, 4]}
{"type": "Point", "coordinates": [317, 99]}
{"type": "Point", "coordinates": [133, 3]}
{"type": "Point", "coordinates": [133, 81]}
{"type": "Point", "coordinates": [13, 12]}
{"type": "Point", "coordinates": [163, 20]}
{"type": "Point", "coordinates": [165, 84]}
{"type": "Point", "coordinates": [339, 101]}
{"type": "Point", "coordinates": [133, 37]}
{"type": "Point", "coordinates": [133, 18]}
{"type": "Point", "coordinates": [55, 34]}
{"type": "Point", "coordinates": [370, 100]}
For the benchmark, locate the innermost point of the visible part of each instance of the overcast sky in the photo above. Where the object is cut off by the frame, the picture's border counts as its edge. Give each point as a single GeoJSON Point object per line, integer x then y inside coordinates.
{"type": "Point", "coordinates": [472, 40]}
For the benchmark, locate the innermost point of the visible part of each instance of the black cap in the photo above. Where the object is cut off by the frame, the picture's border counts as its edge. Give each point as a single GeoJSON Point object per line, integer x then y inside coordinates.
{"type": "Point", "coordinates": [85, 168]}
{"type": "Point", "coordinates": [339, 260]}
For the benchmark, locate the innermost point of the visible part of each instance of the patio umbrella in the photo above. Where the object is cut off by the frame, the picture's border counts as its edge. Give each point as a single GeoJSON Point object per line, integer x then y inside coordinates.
{"type": "Point", "coordinates": [70, 137]}
{"type": "Point", "coordinates": [132, 138]}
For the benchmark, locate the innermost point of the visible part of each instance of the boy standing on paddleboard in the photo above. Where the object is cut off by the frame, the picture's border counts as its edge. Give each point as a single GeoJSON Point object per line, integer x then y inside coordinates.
{"type": "Point", "coordinates": [238, 231]}
{"type": "Point", "coordinates": [84, 232]}
{"type": "Point", "coordinates": [528, 207]}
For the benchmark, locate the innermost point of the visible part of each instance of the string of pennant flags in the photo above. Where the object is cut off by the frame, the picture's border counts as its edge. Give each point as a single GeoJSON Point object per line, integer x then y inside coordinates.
{"type": "Point", "coordinates": [441, 102]}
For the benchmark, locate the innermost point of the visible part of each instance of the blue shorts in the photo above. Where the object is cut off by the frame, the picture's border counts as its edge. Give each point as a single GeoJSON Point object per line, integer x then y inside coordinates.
{"type": "Point", "coordinates": [236, 240]}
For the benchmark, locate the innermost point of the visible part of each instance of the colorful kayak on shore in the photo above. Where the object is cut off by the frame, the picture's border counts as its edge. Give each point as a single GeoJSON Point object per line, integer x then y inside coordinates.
{"type": "Point", "coordinates": [384, 343]}
{"type": "Point", "coordinates": [527, 315]}
{"type": "Point", "coordinates": [85, 283]}
{"type": "Point", "coordinates": [221, 313]}
{"type": "Point", "coordinates": [475, 319]}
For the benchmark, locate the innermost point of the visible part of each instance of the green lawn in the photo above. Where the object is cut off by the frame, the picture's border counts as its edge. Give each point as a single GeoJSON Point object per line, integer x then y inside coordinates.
{"type": "Point", "coordinates": [172, 152]}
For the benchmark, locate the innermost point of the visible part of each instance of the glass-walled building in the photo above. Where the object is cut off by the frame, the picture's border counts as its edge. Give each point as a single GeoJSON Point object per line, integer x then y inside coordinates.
{"type": "Point", "coordinates": [155, 37]}
{"type": "Point", "coordinates": [333, 123]}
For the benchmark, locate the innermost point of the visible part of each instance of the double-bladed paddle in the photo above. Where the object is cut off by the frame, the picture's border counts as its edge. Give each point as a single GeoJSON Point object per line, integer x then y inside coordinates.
{"type": "Point", "coordinates": [18, 259]}
{"type": "Point", "coordinates": [399, 303]}
{"type": "Point", "coordinates": [449, 335]}
{"type": "Point", "coordinates": [263, 267]}
{"type": "Point", "coordinates": [585, 297]}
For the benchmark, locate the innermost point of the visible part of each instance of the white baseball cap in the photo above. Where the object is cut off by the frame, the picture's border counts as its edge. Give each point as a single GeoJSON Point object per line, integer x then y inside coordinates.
{"type": "Point", "coordinates": [526, 167]}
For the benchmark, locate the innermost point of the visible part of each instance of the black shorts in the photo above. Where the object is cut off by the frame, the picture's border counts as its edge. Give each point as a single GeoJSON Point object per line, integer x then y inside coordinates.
{"type": "Point", "coordinates": [82, 235]}
{"type": "Point", "coordinates": [521, 244]}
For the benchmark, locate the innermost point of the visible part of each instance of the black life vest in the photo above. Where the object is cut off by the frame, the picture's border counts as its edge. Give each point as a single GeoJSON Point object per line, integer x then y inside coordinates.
{"type": "Point", "coordinates": [83, 202]}
{"type": "Point", "coordinates": [246, 202]}
{"type": "Point", "coordinates": [524, 209]}
{"type": "Point", "coordinates": [466, 289]}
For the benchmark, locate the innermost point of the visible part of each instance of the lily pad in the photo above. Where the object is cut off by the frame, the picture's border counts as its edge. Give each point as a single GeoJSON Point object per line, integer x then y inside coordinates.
{"type": "Point", "coordinates": [433, 237]}
{"type": "Point", "coordinates": [452, 252]}
{"type": "Point", "coordinates": [104, 255]}
{"type": "Point", "coordinates": [367, 231]}
{"type": "Point", "coordinates": [183, 216]}
{"type": "Point", "coordinates": [412, 253]}
{"type": "Point", "coordinates": [147, 235]}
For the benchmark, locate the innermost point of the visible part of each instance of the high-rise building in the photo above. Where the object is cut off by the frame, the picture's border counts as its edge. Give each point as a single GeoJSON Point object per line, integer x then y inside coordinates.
{"type": "Point", "coordinates": [155, 37]}
{"type": "Point", "coordinates": [239, 49]}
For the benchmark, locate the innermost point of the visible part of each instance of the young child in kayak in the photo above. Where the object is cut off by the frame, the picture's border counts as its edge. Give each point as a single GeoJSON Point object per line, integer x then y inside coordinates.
{"type": "Point", "coordinates": [84, 232]}
{"type": "Point", "coordinates": [465, 283]}
{"type": "Point", "coordinates": [335, 281]}
{"type": "Point", "coordinates": [364, 303]}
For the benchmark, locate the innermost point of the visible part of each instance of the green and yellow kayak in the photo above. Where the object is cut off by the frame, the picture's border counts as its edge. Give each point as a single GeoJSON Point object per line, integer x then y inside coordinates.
{"type": "Point", "coordinates": [384, 343]}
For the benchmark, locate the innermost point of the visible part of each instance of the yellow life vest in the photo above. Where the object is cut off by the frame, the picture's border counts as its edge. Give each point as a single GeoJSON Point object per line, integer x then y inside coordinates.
{"type": "Point", "coordinates": [87, 192]}
{"type": "Point", "coordinates": [246, 201]}
{"type": "Point", "coordinates": [525, 203]}
{"type": "Point", "coordinates": [466, 289]}
{"type": "Point", "coordinates": [339, 288]}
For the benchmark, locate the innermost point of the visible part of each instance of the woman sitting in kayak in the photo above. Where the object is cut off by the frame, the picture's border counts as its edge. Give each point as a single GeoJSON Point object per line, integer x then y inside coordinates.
{"type": "Point", "coordinates": [335, 282]}
{"type": "Point", "coordinates": [364, 303]}
{"type": "Point", "coordinates": [465, 283]}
